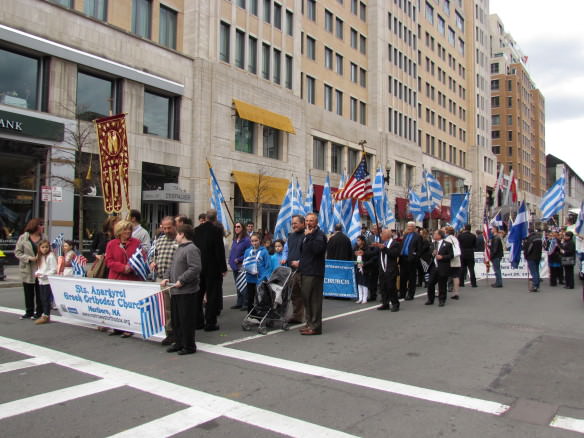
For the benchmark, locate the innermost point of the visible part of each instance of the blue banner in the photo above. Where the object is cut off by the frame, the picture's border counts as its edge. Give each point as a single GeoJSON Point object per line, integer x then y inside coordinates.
{"type": "Point", "coordinates": [339, 279]}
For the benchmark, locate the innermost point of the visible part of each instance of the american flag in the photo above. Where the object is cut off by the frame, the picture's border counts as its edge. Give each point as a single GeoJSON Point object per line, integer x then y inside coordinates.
{"type": "Point", "coordinates": [486, 235]}
{"type": "Point", "coordinates": [359, 185]}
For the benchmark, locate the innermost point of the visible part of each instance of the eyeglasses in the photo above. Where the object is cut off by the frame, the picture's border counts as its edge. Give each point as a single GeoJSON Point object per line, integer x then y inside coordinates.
{"type": "Point", "coordinates": [238, 226]}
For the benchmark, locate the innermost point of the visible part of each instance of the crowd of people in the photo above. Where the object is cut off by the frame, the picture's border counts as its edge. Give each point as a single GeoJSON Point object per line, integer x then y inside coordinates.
{"type": "Point", "coordinates": [190, 264]}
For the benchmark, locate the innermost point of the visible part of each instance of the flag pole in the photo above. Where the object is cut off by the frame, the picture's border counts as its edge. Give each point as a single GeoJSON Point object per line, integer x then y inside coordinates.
{"type": "Point", "coordinates": [224, 202]}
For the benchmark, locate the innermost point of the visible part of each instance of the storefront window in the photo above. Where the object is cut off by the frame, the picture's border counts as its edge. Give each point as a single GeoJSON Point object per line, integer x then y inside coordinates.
{"type": "Point", "coordinates": [244, 130]}
{"type": "Point", "coordinates": [19, 79]}
{"type": "Point", "coordinates": [94, 96]}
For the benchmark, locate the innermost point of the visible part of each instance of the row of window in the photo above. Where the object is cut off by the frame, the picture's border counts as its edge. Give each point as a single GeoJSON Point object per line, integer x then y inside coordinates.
{"type": "Point", "coordinates": [495, 84]}
{"type": "Point", "coordinates": [402, 61]}
{"type": "Point", "coordinates": [401, 31]}
{"type": "Point", "coordinates": [496, 134]}
{"type": "Point", "coordinates": [357, 8]}
{"type": "Point", "coordinates": [404, 174]}
{"type": "Point", "coordinates": [442, 52]}
{"type": "Point", "coordinates": [271, 13]}
{"type": "Point", "coordinates": [321, 149]}
{"type": "Point", "coordinates": [450, 154]}
{"type": "Point", "coordinates": [248, 134]}
{"type": "Point", "coordinates": [402, 91]}
{"type": "Point", "coordinates": [246, 56]}
{"type": "Point", "coordinates": [402, 125]}
{"type": "Point", "coordinates": [496, 120]}
{"type": "Point", "coordinates": [24, 83]}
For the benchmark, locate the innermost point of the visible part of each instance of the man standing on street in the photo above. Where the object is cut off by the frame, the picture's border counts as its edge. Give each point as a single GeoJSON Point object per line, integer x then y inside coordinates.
{"type": "Point", "coordinates": [138, 231]}
{"type": "Point", "coordinates": [209, 239]}
{"type": "Point", "coordinates": [311, 268]}
{"type": "Point", "coordinates": [496, 256]}
{"type": "Point", "coordinates": [408, 262]}
{"type": "Point", "coordinates": [389, 252]}
{"type": "Point", "coordinates": [440, 268]}
{"type": "Point", "coordinates": [532, 249]}
{"type": "Point", "coordinates": [165, 247]}
{"type": "Point", "coordinates": [291, 257]}
{"type": "Point", "coordinates": [339, 245]}
{"type": "Point", "coordinates": [468, 243]}
{"type": "Point", "coordinates": [373, 271]}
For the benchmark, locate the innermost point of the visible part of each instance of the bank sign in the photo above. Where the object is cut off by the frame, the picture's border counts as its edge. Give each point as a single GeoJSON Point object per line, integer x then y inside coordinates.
{"type": "Point", "coordinates": [26, 126]}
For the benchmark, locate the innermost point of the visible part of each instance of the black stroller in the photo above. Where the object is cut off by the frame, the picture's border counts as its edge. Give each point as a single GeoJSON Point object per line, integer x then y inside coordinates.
{"type": "Point", "coordinates": [271, 302]}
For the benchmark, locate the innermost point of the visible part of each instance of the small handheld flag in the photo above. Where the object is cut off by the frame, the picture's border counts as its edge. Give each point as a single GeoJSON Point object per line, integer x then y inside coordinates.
{"type": "Point", "coordinates": [152, 317]}
{"type": "Point", "coordinates": [139, 265]}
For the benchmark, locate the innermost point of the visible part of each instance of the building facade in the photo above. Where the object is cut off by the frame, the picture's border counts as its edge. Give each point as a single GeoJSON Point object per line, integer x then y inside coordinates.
{"type": "Point", "coordinates": [574, 188]}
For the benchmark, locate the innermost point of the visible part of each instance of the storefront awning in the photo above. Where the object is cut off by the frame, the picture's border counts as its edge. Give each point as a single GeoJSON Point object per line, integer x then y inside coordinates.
{"type": "Point", "coordinates": [261, 188]}
{"type": "Point", "coordinates": [262, 116]}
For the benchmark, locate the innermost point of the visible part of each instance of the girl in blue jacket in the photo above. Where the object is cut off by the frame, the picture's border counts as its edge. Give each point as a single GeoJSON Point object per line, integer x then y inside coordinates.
{"type": "Point", "coordinates": [258, 267]}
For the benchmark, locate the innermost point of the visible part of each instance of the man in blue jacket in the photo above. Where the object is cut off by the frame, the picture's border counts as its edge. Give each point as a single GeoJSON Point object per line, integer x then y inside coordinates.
{"type": "Point", "coordinates": [311, 268]}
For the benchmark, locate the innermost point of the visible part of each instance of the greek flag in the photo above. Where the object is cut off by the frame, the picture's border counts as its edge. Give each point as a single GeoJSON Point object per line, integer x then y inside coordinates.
{"type": "Point", "coordinates": [325, 215]}
{"type": "Point", "coordinates": [78, 264]}
{"type": "Point", "coordinates": [241, 281]}
{"type": "Point", "coordinates": [284, 219]}
{"type": "Point", "coordinates": [355, 227]}
{"type": "Point", "coordinates": [297, 204]}
{"type": "Point", "coordinates": [308, 201]}
{"type": "Point", "coordinates": [152, 315]}
{"type": "Point", "coordinates": [57, 244]}
{"type": "Point", "coordinates": [461, 217]}
{"type": "Point", "coordinates": [516, 235]}
{"type": "Point", "coordinates": [346, 206]}
{"type": "Point", "coordinates": [139, 265]}
{"type": "Point", "coordinates": [218, 202]}
{"type": "Point", "coordinates": [553, 200]}
{"type": "Point", "coordinates": [580, 221]}
{"type": "Point", "coordinates": [389, 218]}
{"type": "Point", "coordinates": [431, 193]}
{"type": "Point", "coordinates": [415, 206]}
{"type": "Point", "coordinates": [370, 210]}
{"type": "Point", "coordinates": [497, 221]}
{"type": "Point", "coordinates": [378, 193]}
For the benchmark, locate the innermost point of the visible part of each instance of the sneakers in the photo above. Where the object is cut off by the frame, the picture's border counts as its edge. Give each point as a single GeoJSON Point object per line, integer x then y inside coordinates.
{"type": "Point", "coordinates": [43, 319]}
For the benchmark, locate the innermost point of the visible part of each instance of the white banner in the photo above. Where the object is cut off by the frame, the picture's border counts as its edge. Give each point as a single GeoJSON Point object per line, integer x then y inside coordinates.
{"type": "Point", "coordinates": [506, 270]}
{"type": "Point", "coordinates": [108, 303]}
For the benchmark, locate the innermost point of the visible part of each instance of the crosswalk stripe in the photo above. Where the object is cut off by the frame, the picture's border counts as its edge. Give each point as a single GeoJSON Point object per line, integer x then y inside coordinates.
{"type": "Point", "coordinates": [169, 425]}
{"type": "Point", "coordinates": [568, 423]}
{"type": "Point", "coordinates": [22, 364]}
{"type": "Point", "coordinates": [51, 398]}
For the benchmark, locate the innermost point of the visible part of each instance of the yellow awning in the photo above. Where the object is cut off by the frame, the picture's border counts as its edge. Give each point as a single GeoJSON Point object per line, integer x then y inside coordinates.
{"type": "Point", "coordinates": [262, 116]}
{"type": "Point", "coordinates": [261, 188]}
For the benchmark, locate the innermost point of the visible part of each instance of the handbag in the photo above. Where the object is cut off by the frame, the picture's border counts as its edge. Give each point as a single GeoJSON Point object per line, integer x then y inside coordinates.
{"type": "Point", "coordinates": [98, 269]}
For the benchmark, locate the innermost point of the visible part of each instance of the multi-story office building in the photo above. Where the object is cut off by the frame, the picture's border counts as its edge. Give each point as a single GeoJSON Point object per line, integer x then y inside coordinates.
{"type": "Point", "coordinates": [518, 115]}
{"type": "Point", "coordinates": [574, 187]}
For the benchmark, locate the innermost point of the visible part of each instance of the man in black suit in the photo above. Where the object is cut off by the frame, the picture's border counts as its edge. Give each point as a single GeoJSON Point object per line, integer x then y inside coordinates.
{"type": "Point", "coordinates": [209, 239]}
{"type": "Point", "coordinates": [468, 242]}
{"type": "Point", "coordinates": [389, 252]}
{"type": "Point", "coordinates": [408, 262]}
{"type": "Point", "coordinates": [339, 245]}
{"type": "Point", "coordinates": [372, 272]}
{"type": "Point", "coordinates": [440, 269]}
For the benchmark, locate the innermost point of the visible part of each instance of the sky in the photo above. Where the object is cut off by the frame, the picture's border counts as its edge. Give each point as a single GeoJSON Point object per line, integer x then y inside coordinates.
{"type": "Point", "coordinates": [551, 34]}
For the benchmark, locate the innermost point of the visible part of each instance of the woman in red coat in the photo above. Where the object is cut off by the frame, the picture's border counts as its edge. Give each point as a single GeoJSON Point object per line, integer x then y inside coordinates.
{"type": "Point", "coordinates": [117, 255]}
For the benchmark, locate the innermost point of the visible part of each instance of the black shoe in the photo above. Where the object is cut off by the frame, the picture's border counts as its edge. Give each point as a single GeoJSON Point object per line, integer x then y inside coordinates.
{"type": "Point", "coordinates": [408, 298]}
{"type": "Point", "coordinates": [173, 349]}
{"type": "Point", "coordinates": [116, 332]}
{"type": "Point", "coordinates": [26, 316]}
{"type": "Point", "coordinates": [184, 351]}
{"type": "Point", "coordinates": [169, 340]}
{"type": "Point", "coordinates": [383, 307]}
{"type": "Point", "coordinates": [211, 328]}
{"type": "Point", "coordinates": [474, 285]}
{"type": "Point", "coordinates": [496, 286]}
{"type": "Point", "coordinates": [455, 297]}
{"type": "Point", "coordinates": [237, 306]}
{"type": "Point", "coordinates": [429, 303]}
{"type": "Point", "coordinates": [441, 304]}
{"type": "Point", "coordinates": [395, 309]}
{"type": "Point", "coordinates": [401, 297]}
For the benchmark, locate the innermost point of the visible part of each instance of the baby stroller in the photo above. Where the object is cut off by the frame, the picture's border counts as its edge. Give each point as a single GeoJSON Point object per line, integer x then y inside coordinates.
{"type": "Point", "coordinates": [271, 302]}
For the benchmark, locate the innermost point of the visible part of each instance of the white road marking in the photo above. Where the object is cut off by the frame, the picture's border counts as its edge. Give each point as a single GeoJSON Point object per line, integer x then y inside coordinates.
{"type": "Point", "coordinates": [169, 425]}
{"type": "Point", "coordinates": [257, 417]}
{"type": "Point", "coordinates": [21, 364]}
{"type": "Point", "coordinates": [567, 423]}
{"type": "Point", "coordinates": [51, 398]}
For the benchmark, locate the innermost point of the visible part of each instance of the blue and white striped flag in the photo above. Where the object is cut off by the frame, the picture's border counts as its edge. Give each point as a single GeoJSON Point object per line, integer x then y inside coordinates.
{"type": "Point", "coordinates": [389, 218]}
{"type": "Point", "coordinates": [309, 200]}
{"type": "Point", "coordinates": [378, 193]}
{"type": "Point", "coordinates": [241, 282]}
{"type": "Point", "coordinates": [461, 216]}
{"type": "Point", "coordinates": [325, 214]}
{"type": "Point", "coordinates": [139, 265]}
{"type": "Point", "coordinates": [580, 221]}
{"type": "Point", "coordinates": [152, 315]}
{"type": "Point", "coordinates": [346, 206]}
{"type": "Point", "coordinates": [517, 234]}
{"type": "Point", "coordinates": [284, 220]}
{"type": "Point", "coordinates": [415, 206]}
{"type": "Point", "coordinates": [497, 221]}
{"type": "Point", "coordinates": [370, 211]}
{"type": "Point", "coordinates": [218, 201]}
{"type": "Point", "coordinates": [57, 244]}
{"type": "Point", "coordinates": [78, 263]}
{"type": "Point", "coordinates": [297, 204]}
{"type": "Point", "coordinates": [553, 200]}
{"type": "Point", "coordinates": [355, 227]}
{"type": "Point", "coordinates": [432, 192]}
{"type": "Point", "coordinates": [338, 208]}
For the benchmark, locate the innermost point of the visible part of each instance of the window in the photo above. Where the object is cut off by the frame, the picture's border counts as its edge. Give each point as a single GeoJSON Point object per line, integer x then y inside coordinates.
{"type": "Point", "coordinates": [354, 73]}
{"type": "Point", "coordinates": [311, 48]}
{"type": "Point", "coordinates": [496, 119]}
{"type": "Point", "coordinates": [495, 101]}
{"type": "Point", "coordinates": [339, 63]}
{"type": "Point", "coordinates": [277, 66]}
{"type": "Point", "coordinates": [441, 25]}
{"type": "Point", "coordinates": [336, 158]}
{"type": "Point", "coordinates": [94, 96]}
{"type": "Point", "coordinates": [328, 58]}
{"type": "Point", "coordinates": [339, 102]}
{"type": "Point", "coordinates": [277, 16]}
{"type": "Point", "coordinates": [363, 11]}
{"type": "Point", "coordinates": [96, 9]}
{"type": "Point", "coordinates": [461, 46]}
{"type": "Point", "coordinates": [289, 22]}
{"type": "Point", "coordinates": [167, 31]}
{"type": "Point", "coordinates": [446, 7]}
{"type": "Point", "coordinates": [289, 67]}
{"type": "Point", "coordinates": [510, 120]}
{"type": "Point", "coordinates": [311, 9]}
{"type": "Point", "coordinates": [510, 102]}
{"type": "Point", "coordinates": [310, 90]}
{"type": "Point", "coordinates": [241, 4]}
{"type": "Point", "coordinates": [66, 3]}
{"type": "Point", "coordinates": [353, 109]}
{"type": "Point", "coordinates": [224, 43]}
{"type": "Point", "coordinates": [496, 150]}
{"type": "Point", "coordinates": [239, 49]}
{"type": "Point", "coordinates": [142, 17]}
{"type": "Point", "coordinates": [339, 28]}
{"type": "Point", "coordinates": [362, 44]}
{"type": "Point", "coordinates": [253, 7]}
{"type": "Point", "coordinates": [459, 22]}
{"type": "Point", "coordinates": [509, 135]}
{"type": "Point", "coordinates": [244, 135]}
{"type": "Point", "coordinates": [355, 6]}
{"type": "Point", "coordinates": [495, 84]}
{"type": "Point", "coordinates": [19, 80]}
{"type": "Point", "coordinates": [509, 85]}
{"type": "Point", "coordinates": [429, 13]}
{"type": "Point", "coordinates": [266, 61]}
{"type": "Point", "coordinates": [318, 153]}
{"type": "Point", "coordinates": [268, 11]}
{"type": "Point", "coordinates": [362, 113]}
{"type": "Point", "coordinates": [271, 143]}
{"type": "Point", "coordinates": [252, 57]}
{"type": "Point", "coordinates": [328, 21]}
{"type": "Point", "coordinates": [353, 156]}
{"type": "Point", "coordinates": [159, 115]}
{"type": "Point", "coordinates": [451, 36]}
{"type": "Point", "coordinates": [495, 67]}
{"type": "Point", "coordinates": [354, 39]}
{"type": "Point", "coordinates": [495, 134]}
{"type": "Point", "coordinates": [328, 97]}
{"type": "Point", "coordinates": [399, 174]}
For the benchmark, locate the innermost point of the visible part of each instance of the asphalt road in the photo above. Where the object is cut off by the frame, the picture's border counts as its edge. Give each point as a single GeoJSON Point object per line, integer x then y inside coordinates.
{"type": "Point", "coordinates": [499, 362]}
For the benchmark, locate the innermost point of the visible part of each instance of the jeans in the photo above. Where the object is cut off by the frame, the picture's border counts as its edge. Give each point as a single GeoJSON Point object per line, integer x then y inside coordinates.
{"type": "Point", "coordinates": [497, 269]}
{"type": "Point", "coordinates": [533, 266]}
{"type": "Point", "coordinates": [46, 298]}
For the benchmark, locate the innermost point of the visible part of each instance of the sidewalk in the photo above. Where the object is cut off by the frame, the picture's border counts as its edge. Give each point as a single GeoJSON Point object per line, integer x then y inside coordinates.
{"type": "Point", "coordinates": [12, 277]}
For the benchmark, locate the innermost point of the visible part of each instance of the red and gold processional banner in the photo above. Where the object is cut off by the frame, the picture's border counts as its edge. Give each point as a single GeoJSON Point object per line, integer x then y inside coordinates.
{"type": "Point", "coordinates": [114, 161]}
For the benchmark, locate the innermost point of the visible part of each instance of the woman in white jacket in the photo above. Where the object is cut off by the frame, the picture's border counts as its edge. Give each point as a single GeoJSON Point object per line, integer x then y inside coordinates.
{"type": "Point", "coordinates": [47, 265]}
{"type": "Point", "coordinates": [455, 262]}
